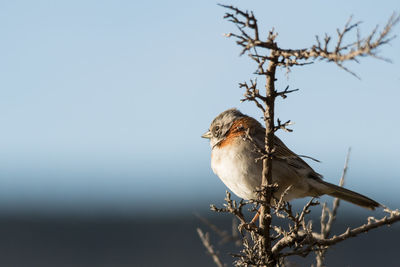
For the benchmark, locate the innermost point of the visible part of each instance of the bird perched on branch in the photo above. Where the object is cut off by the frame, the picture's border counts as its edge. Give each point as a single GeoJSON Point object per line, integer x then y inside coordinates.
{"type": "Point", "coordinates": [237, 141]}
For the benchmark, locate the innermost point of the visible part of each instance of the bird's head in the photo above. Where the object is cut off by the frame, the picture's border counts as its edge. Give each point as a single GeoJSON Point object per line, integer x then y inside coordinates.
{"type": "Point", "coordinates": [221, 125]}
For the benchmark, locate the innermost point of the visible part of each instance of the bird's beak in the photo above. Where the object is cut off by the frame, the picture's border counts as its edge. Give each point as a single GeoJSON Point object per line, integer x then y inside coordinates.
{"type": "Point", "coordinates": [207, 135]}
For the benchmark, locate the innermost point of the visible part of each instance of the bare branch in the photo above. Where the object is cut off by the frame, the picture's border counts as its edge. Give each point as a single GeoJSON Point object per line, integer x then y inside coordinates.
{"type": "Point", "coordinates": [224, 235]}
{"type": "Point", "coordinates": [350, 52]}
{"type": "Point", "coordinates": [283, 126]}
{"type": "Point", "coordinates": [387, 220]}
{"type": "Point", "coordinates": [236, 209]}
{"type": "Point", "coordinates": [326, 226]}
{"type": "Point", "coordinates": [252, 94]}
{"type": "Point", "coordinates": [360, 47]}
{"type": "Point", "coordinates": [284, 93]}
{"type": "Point", "coordinates": [206, 242]}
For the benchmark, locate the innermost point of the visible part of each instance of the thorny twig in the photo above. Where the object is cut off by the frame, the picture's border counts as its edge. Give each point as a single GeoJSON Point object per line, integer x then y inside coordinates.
{"type": "Point", "coordinates": [206, 242]}
{"type": "Point", "coordinates": [339, 53]}
{"type": "Point", "coordinates": [326, 226]}
{"type": "Point", "coordinates": [236, 209]}
{"type": "Point", "coordinates": [224, 235]}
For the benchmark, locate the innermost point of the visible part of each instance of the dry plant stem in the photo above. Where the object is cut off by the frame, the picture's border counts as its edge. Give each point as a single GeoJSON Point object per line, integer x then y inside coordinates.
{"type": "Point", "coordinates": [224, 235]}
{"type": "Point", "coordinates": [339, 53]}
{"type": "Point", "coordinates": [312, 241]}
{"type": "Point", "coordinates": [359, 230]}
{"type": "Point", "coordinates": [326, 226]}
{"type": "Point", "coordinates": [206, 242]}
{"type": "Point", "coordinates": [265, 211]}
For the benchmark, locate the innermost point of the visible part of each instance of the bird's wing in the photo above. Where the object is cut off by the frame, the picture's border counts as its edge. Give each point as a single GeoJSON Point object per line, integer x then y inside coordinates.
{"type": "Point", "coordinates": [282, 152]}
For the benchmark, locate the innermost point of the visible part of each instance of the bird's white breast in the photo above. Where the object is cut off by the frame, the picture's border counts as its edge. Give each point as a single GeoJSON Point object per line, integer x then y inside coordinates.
{"type": "Point", "coordinates": [235, 166]}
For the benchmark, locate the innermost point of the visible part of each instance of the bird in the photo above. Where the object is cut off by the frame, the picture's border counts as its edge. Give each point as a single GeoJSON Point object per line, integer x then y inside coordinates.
{"type": "Point", "coordinates": [235, 141]}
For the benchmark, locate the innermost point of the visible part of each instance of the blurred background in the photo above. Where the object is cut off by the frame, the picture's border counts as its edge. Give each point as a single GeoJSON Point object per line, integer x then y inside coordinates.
{"type": "Point", "coordinates": [102, 105]}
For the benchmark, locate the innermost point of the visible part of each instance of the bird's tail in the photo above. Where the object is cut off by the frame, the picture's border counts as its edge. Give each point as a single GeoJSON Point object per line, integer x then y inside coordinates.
{"type": "Point", "coordinates": [350, 196]}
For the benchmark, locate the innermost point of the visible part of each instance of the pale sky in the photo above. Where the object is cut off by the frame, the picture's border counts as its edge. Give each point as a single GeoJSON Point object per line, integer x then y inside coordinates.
{"type": "Point", "coordinates": [102, 103]}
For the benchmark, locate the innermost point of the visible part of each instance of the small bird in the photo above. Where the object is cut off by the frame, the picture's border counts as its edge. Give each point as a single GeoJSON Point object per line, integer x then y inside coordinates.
{"type": "Point", "coordinates": [234, 138]}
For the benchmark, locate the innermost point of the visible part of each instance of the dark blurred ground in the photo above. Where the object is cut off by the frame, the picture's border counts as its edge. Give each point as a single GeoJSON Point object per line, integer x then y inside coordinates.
{"type": "Point", "coordinates": [123, 241]}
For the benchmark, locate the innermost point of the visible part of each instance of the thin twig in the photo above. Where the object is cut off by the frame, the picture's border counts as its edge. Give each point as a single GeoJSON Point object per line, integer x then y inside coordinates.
{"type": "Point", "coordinates": [206, 242]}
{"type": "Point", "coordinates": [326, 226]}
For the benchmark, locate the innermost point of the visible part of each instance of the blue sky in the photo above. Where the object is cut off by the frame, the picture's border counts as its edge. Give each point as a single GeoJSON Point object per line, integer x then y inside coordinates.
{"type": "Point", "coordinates": [102, 103]}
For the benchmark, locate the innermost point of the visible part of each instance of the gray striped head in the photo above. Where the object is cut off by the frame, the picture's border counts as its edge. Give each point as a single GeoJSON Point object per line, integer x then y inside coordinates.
{"type": "Point", "coordinates": [221, 124]}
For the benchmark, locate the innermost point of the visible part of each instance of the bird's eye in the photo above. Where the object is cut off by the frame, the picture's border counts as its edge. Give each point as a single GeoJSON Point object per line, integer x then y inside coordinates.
{"type": "Point", "coordinates": [216, 130]}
